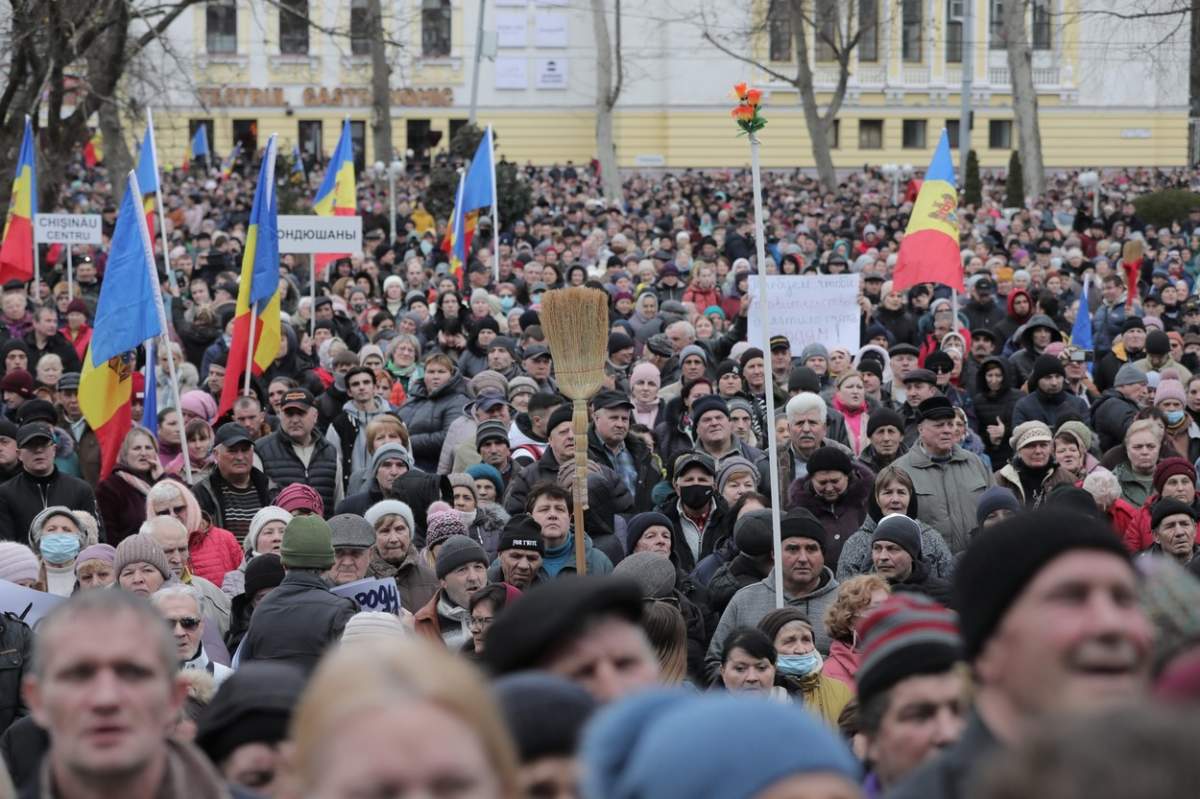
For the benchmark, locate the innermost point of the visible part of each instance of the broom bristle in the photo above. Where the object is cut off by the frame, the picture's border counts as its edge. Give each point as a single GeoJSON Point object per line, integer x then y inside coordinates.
{"type": "Point", "coordinates": [576, 324]}
{"type": "Point", "coordinates": [1132, 251]}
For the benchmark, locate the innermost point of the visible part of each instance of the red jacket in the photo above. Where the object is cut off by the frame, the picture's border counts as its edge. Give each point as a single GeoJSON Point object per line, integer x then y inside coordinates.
{"type": "Point", "coordinates": [213, 553]}
{"type": "Point", "coordinates": [1138, 534]}
{"type": "Point", "coordinates": [702, 298]}
{"type": "Point", "coordinates": [81, 342]}
{"type": "Point", "coordinates": [425, 621]}
{"type": "Point", "coordinates": [1123, 517]}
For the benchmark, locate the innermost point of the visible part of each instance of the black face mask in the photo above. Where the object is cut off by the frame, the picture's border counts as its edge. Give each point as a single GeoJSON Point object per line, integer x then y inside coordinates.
{"type": "Point", "coordinates": [696, 496]}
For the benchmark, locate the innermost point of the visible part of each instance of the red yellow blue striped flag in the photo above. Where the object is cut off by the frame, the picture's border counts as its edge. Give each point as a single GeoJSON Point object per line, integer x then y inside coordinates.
{"type": "Point", "coordinates": [337, 195]}
{"type": "Point", "coordinates": [16, 252]}
{"type": "Point", "coordinates": [929, 250]}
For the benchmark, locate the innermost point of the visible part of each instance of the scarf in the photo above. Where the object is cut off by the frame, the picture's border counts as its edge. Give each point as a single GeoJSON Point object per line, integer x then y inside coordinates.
{"type": "Point", "coordinates": [138, 483]}
{"type": "Point", "coordinates": [555, 559]}
{"type": "Point", "coordinates": [645, 413]}
{"type": "Point", "coordinates": [450, 612]}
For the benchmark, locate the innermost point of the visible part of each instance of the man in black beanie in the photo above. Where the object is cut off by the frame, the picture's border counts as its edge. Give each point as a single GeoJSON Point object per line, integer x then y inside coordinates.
{"type": "Point", "coordinates": [1174, 525]}
{"type": "Point", "coordinates": [754, 540]}
{"type": "Point", "coordinates": [561, 449]}
{"type": "Point", "coordinates": [896, 557]}
{"type": "Point", "coordinates": [1051, 624]}
{"type": "Point", "coordinates": [885, 431]}
{"type": "Point", "coordinates": [1047, 401]}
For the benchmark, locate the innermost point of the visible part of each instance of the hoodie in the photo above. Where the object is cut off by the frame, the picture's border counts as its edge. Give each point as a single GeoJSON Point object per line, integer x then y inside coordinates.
{"type": "Point", "coordinates": [1006, 327]}
{"type": "Point", "coordinates": [990, 406]}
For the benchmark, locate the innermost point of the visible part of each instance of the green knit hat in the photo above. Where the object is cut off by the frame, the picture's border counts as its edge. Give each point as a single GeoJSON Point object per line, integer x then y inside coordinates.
{"type": "Point", "coordinates": [307, 543]}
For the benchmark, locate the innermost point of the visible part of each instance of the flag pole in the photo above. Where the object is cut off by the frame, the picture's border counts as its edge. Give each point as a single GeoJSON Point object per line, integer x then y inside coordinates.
{"type": "Point", "coordinates": [158, 200]}
{"type": "Point", "coordinates": [162, 321]}
{"type": "Point", "coordinates": [250, 350]}
{"type": "Point", "coordinates": [495, 206]}
{"type": "Point", "coordinates": [33, 199]}
{"type": "Point", "coordinates": [765, 334]}
{"type": "Point", "coordinates": [312, 294]}
{"type": "Point", "coordinates": [70, 276]}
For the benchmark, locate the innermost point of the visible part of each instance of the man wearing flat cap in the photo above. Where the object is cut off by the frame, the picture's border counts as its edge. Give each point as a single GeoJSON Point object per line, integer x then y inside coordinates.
{"type": "Point", "coordinates": [1051, 626]}
{"type": "Point", "coordinates": [587, 629]}
{"type": "Point", "coordinates": [948, 479]}
{"type": "Point", "coordinates": [611, 444]}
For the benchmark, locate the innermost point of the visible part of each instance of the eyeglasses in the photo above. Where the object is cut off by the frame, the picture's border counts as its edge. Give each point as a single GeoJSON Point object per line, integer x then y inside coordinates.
{"type": "Point", "coordinates": [178, 511]}
{"type": "Point", "coordinates": [479, 624]}
{"type": "Point", "coordinates": [188, 623]}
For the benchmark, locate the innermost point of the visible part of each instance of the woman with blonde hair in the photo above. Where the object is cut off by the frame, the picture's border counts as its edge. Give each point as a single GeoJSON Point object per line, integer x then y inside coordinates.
{"type": "Point", "coordinates": [212, 551]}
{"type": "Point", "coordinates": [854, 599]}
{"type": "Point", "coordinates": [121, 497]}
{"type": "Point", "coordinates": [387, 713]}
{"type": "Point", "coordinates": [666, 630]}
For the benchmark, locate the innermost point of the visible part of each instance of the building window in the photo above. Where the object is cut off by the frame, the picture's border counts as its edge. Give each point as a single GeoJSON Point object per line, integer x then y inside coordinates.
{"type": "Point", "coordinates": [954, 31]}
{"type": "Point", "coordinates": [952, 133]}
{"type": "Point", "coordinates": [311, 150]}
{"type": "Point", "coordinates": [435, 28]}
{"type": "Point", "coordinates": [868, 25]}
{"type": "Point", "coordinates": [910, 44]}
{"type": "Point", "coordinates": [870, 134]}
{"type": "Point", "coordinates": [360, 28]}
{"type": "Point", "coordinates": [1000, 134]}
{"type": "Point", "coordinates": [293, 27]}
{"type": "Point", "coordinates": [779, 30]}
{"type": "Point", "coordinates": [996, 39]}
{"type": "Point", "coordinates": [358, 145]}
{"type": "Point", "coordinates": [913, 134]}
{"type": "Point", "coordinates": [1041, 25]}
{"type": "Point", "coordinates": [220, 19]}
{"type": "Point", "coordinates": [835, 135]}
{"type": "Point", "coordinates": [825, 30]}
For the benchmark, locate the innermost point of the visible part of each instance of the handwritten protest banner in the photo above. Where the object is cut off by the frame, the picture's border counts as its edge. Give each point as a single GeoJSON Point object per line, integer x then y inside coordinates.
{"type": "Point", "coordinates": [372, 593]}
{"type": "Point", "coordinates": [809, 309]}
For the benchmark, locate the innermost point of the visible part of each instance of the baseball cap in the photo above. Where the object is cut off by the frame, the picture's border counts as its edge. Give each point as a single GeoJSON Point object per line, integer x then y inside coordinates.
{"type": "Point", "coordinates": [298, 398]}
{"type": "Point", "coordinates": [28, 433]}
{"type": "Point", "coordinates": [231, 434]}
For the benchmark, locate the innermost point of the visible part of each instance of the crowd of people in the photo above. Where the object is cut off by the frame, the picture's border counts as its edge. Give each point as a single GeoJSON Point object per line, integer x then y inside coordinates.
{"type": "Point", "coordinates": [987, 543]}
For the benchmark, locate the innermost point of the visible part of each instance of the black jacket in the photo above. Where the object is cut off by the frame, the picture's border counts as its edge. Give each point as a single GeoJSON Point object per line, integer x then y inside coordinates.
{"type": "Point", "coordinates": [517, 491]}
{"type": "Point", "coordinates": [284, 467]}
{"type": "Point", "coordinates": [922, 581]}
{"type": "Point", "coordinates": [297, 622]}
{"type": "Point", "coordinates": [208, 493]}
{"type": "Point", "coordinates": [1111, 416]}
{"type": "Point", "coordinates": [731, 578]}
{"type": "Point", "coordinates": [648, 475]}
{"type": "Point", "coordinates": [16, 647]}
{"type": "Point", "coordinates": [23, 746]}
{"type": "Point", "coordinates": [990, 406]}
{"type": "Point", "coordinates": [56, 344]}
{"type": "Point", "coordinates": [25, 496]}
{"type": "Point", "coordinates": [709, 538]}
{"type": "Point", "coordinates": [415, 488]}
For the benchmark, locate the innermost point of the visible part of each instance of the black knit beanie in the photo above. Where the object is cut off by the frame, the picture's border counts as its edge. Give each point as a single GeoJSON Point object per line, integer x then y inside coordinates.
{"type": "Point", "coordinates": [1005, 558]}
{"type": "Point", "coordinates": [884, 417]}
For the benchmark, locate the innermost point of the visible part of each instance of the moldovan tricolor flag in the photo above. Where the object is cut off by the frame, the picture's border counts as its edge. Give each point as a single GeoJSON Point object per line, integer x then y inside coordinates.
{"type": "Point", "coordinates": [147, 175]}
{"type": "Point", "coordinates": [337, 195]}
{"type": "Point", "coordinates": [929, 251]}
{"type": "Point", "coordinates": [16, 252]}
{"type": "Point", "coordinates": [126, 316]}
{"type": "Point", "coordinates": [258, 287]}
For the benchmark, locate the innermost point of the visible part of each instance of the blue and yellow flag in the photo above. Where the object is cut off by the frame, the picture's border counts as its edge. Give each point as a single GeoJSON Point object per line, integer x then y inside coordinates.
{"type": "Point", "coordinates": [16, 251]}
{"type": "Point", "coordinates": [929, 250]}
{"type": "Point", "coordinates": [147, 177]}
{"type": "Point", "coordinates": [126, 316]}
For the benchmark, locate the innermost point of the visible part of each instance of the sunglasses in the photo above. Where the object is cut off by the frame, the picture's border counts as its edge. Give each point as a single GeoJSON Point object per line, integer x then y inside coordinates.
{"type": "Point", "coordinates": [188, 623]}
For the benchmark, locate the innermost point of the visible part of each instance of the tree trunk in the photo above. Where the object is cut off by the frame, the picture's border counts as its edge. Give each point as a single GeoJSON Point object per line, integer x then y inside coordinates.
{"type": "Point", "coordinates": [381, 85]}
{"type": "Point", "coordinates": [105, 65]}
{"type": "Point", "coordinates": [818, 130]}
{"type": "Point", "coordinates": [606, 99]}
{"type": "Point", "coordinates": [1024, 96]}
{"type": "Point", "coordinates": [1194, 86]}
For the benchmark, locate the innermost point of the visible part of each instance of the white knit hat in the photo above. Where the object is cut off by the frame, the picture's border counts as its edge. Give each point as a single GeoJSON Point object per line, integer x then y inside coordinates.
{"type": "Point", "coordinates": [17, 562]}
{"type": "Point", "coordinates": [391, 506]}
{"type": "Point", "coordinates": [266, 514]}
{"type": "Point", "coordinates": [370, 625]}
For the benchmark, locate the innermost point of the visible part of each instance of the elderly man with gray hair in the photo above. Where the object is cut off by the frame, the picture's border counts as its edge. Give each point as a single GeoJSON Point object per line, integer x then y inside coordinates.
{"type": "Point", "coordinates": [180, 606]}
{"type": "Point", "coordinates": [807, 417]}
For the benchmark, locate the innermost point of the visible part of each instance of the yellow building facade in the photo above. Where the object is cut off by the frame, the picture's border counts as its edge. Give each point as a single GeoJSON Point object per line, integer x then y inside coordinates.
{"type": "Point", "coordinates": [300, 68]}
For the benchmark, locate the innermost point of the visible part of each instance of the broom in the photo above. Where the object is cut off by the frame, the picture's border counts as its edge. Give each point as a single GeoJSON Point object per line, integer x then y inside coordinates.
{"type": "Point", "coordinates": [576, 324]}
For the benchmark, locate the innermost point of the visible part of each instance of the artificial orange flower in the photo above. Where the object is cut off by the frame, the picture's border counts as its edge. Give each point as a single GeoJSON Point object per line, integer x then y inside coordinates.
{"type": "Point", "coordinates": [743, 112]}
{"type": "Point", "coordinates": [739, 89]}
{"type": "Point", "coordinates": [753, 97]}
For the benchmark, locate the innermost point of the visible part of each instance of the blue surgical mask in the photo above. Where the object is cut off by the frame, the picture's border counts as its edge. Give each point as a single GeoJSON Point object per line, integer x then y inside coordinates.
{"type": "Point", "coordinates": [507, 302]}
{"type": "Point", "coordinates": [1174, 417]}
{"type": "Point", "coordinates": [58, 548]}
{"type": "Point", "coordinates": [537, 298]}
{"type": "Point", "coordinates": [426, 247]}
{"type": "Point", "coordinates": [799, 665]}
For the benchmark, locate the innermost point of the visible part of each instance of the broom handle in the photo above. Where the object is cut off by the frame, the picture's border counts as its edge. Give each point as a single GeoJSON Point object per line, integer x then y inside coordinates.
{"type": "Point", "coordinates": [579, 425]}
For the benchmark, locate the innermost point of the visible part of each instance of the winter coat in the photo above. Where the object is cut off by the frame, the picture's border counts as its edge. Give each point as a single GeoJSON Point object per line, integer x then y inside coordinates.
{"type": "Point", "coordinates": [1135, 488]}
{"type": "Point", "coordinates": [1009, 325]}
{"type": "Point", "coordinates": [948, 492]}
{"type": "Point", "coordinates": [1049, 408]}
{"type": "Point", "coordinates": [1111, 363]}
{"type": "Point", "coordinates": [25, 496]}
{"type": "Point", "coordinates": [414, 580]}
{"type": "Point", "coordinates": [214, 552]}
{"type": "Point", "coordinates": [208, 493]}
{"type": "Point", "coordinates": [991, 406]}
{"type": "Point", "coordinates": [750, 604]}
{"type": "Point", "coordinates": [1009, 477]}
{"type": "Point", "coordinates": [59, 345]}
{"type": "Point", "coordinates": [16, 649]}
{"type": "Point", "coordinates": [284, 467]}
{"type": "Point", "coordinates": [1022, 360]}
{"type": "Point", "coordinates": [901, 323]}
{"type": "Point", "coordinates": [730, 578]}
{"type": "Point", "coordinates": [922, 581]}
{"type": "Point", "coordinates": [22, 748]}
{"type": "Point", "coordinates": [1138, 534]}
{"type": "Point", "coordinates": [348, 433]}
{"type": "Point", "coordinates": [297, 622]}
{"type": "Point", "coordinates": [488, 526]}
{"type": "Point", "coordinates": [856, 551]}
{"type": "Point", "coordinates": [1121, 515]}
{"type": "Point", "coordinates": [1107, 321]}
{"type": "Point", "coordinates": [1111, 417]}
{"type": "Point", "coordinates": [122, 506]}
{"type": "Point", "coordinates": [983, 314]}
{"type": "Point", "coordinates": [841, 518]}
{"type": "Point", "coordinates": [1170, 363]}
{"type": "Point", "coordinates": [517, 491]}
{"type": "Point", "coordinates": [710, 537]}
{"type": "Point", "coordinates": [647, 477]}
{"type": "Point", "coordinates": [461, 432]}
{"type": "Point", "coordinates": [428, 416]}
{"type": "Point", "coordinates": [842, 664]}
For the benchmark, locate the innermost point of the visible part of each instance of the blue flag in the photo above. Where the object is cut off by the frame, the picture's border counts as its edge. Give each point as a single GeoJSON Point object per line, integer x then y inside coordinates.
{"type": "Point", "coordinates": [479, 187]}
{"type": "Point", "coordinates": [200, 142]}
{"type": "Point", "coordinates": [147, 164]}
{"type": "Point", "coordinates": [150, 401]}
{"type": "Point", "coordinates": [126, 314]}
{"type": "Point", "coordinates": [1081, 331]}
{"type": "Point", "coordinates": [297, 161]}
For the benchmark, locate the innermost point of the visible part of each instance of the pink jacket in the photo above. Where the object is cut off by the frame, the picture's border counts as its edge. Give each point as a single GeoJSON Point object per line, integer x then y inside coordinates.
{"type": "Point", "coordinates": [842, 664]}
{"type": "Point", "coordinates": [213, 553]}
